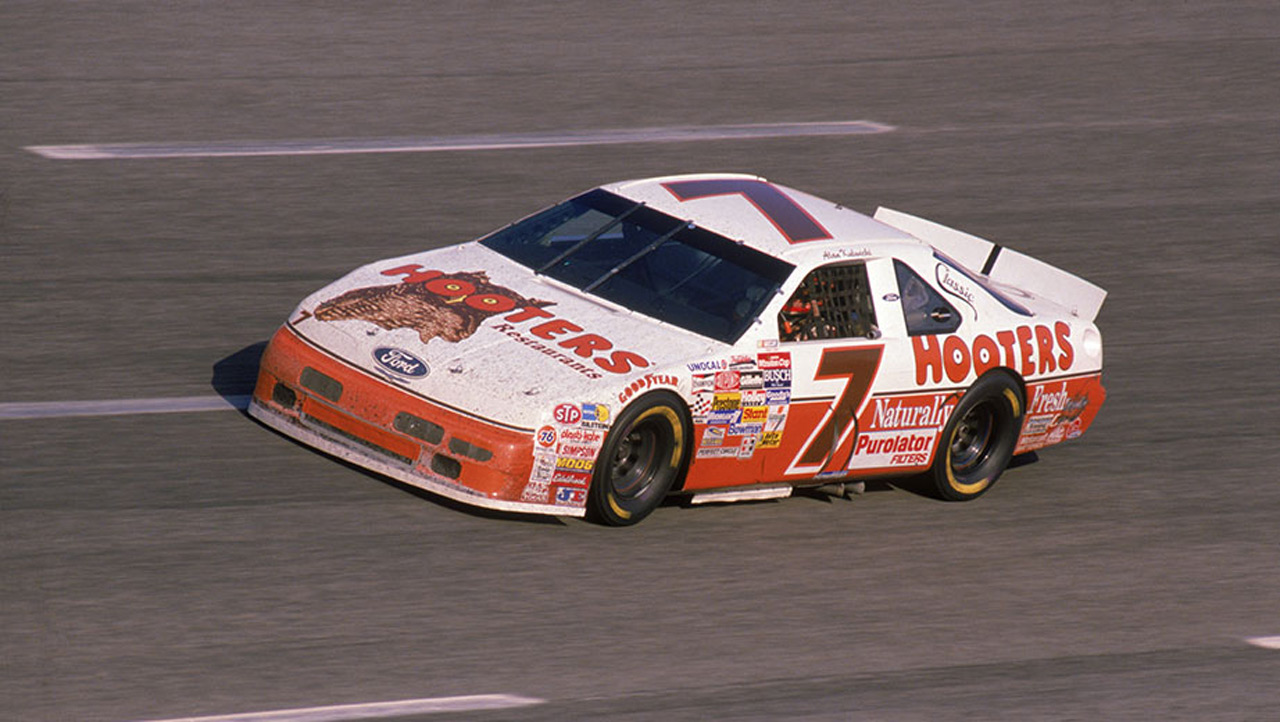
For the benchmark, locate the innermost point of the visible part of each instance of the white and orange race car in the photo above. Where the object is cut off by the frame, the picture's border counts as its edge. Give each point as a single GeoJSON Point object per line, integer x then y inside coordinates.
{"type": "Point", "coordinates": [718, 336]}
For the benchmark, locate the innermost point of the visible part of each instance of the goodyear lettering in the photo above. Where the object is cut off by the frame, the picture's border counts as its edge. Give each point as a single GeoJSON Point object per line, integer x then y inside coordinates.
{"type": "Point", "coordinates": [647, 381]}
{"type": "Point", "coordinates": [1025, 349]}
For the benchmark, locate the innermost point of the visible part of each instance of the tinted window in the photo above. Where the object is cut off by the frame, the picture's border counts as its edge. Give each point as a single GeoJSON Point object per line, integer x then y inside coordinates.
{"type": "Point", "coordinates": [924, 309]}
{"type": "Point", "coordinates": [647, 261]}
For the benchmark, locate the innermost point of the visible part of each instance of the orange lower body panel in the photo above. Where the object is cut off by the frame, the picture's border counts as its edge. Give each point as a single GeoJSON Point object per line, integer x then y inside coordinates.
{"type": "Point", "coordinates": [359, 417]}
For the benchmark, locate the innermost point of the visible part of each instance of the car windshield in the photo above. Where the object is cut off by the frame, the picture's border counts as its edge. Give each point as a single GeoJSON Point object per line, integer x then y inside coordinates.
{"type": "Point", "coordinates": [646, 261]}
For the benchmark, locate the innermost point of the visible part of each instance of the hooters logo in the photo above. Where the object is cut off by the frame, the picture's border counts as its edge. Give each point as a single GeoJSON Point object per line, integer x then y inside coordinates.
{"type": "Point", "coordinates": [1025, 349]}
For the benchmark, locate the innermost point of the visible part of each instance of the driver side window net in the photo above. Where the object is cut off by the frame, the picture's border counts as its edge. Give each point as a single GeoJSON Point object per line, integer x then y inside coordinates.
{"type": "Point", "coordinates": [925, 310]}
{"type": "Point", "coordinates": [832, 302]}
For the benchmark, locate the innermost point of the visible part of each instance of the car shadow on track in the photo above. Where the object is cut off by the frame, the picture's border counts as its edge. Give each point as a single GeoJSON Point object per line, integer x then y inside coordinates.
{"type": "Point", "coordinates": [235, 376]}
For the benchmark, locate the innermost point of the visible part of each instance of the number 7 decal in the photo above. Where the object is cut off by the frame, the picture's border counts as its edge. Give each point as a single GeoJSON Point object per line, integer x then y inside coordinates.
{"type": "Point", "coordinates": [792, 221]}
{"type": "Point", "coordinates": [858, 365]}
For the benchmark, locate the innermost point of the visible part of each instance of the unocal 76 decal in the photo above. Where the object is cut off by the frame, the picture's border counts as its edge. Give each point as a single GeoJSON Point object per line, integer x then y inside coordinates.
{"type": "Point", "coordinates": [857, 365]}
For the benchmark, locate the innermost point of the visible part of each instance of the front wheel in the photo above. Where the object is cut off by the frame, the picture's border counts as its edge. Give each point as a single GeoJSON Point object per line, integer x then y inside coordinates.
{"type": "Point", "coordinates": [641, 459]}
{"type": "Point", "coordinates": [979, 439]}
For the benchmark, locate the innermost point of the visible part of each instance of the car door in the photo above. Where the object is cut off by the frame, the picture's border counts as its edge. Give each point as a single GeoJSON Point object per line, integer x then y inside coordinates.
{"type": "Point", "coordinates": [831, 345]}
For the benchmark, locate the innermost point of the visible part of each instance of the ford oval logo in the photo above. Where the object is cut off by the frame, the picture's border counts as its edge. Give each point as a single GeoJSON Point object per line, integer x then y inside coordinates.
{"type": "Point", "coordinates": [401, 362]}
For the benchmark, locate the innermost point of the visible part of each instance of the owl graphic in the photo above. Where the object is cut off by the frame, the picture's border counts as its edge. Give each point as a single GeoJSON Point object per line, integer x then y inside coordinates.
{"type": "Point", "coordinates": [428, 311]}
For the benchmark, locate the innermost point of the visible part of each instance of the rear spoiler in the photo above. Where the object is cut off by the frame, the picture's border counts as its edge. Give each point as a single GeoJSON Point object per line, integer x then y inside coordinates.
{"type": "Point", "coordinates": [1002, 265]}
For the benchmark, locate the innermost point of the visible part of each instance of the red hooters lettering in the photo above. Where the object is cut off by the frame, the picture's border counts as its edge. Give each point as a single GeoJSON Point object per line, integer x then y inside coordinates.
{"type": "Point", "coordinates": [1063, 334]}
{"type": "Point", "coordinates": [473, 293]}
{"type": "Point", "coordinates": [586, 345]}
{"type": "Point", "coordinates": [955, 359]}
{"type": "Point", "coordinates": [1025, 349]}
{"type": "Point", "coordinates": [1044, 348]}
{"type": "Point", "coordinates": [928, 352]}
{"type": "Point", "coordinates": [621, 362]}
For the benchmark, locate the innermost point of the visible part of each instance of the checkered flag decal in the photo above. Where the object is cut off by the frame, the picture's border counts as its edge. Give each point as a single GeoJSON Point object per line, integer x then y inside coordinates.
{"type": "Point", "coordinates": [701, 404]}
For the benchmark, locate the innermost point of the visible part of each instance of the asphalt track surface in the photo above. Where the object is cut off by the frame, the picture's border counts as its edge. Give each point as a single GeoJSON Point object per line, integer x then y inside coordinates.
{"type": "Point", "coordinates": [155, 566]}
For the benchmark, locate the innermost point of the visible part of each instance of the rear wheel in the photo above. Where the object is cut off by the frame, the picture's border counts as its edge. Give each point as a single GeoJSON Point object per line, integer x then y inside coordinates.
{"type": "Point", "coordinates": [641, 459]}
{"type": "Point", "coordinates": [979, 439]}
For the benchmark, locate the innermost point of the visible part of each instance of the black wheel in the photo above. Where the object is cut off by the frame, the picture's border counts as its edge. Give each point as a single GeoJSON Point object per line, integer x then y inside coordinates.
{"type": "Point", "coordinates": [642, 457]}
{"type": "Point", "coordinates": [979, 438]}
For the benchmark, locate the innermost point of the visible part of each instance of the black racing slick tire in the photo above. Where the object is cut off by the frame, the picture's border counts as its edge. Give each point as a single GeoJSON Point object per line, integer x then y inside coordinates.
{"type": "Point", "coordinates": [643, 456]}
{"type": "Point", "coordinates": [979, 438]}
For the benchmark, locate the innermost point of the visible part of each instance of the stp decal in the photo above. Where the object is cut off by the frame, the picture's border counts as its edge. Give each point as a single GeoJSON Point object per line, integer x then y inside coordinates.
{"type": "Point", "coordinates": [792, 221]}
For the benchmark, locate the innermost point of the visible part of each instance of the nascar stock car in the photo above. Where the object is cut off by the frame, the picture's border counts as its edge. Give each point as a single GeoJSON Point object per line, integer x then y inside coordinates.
{"type": "Point", "coordinates": [718, 336]}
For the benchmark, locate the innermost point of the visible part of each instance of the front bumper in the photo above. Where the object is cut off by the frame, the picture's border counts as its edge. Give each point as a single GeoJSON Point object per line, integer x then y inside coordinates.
{"type": "Point", "coordinates": [325, 403]}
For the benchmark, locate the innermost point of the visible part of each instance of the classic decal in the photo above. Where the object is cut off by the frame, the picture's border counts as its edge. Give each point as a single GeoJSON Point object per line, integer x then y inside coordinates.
{"type": "Point", "coordinates": [955, 285]}
{"type": "Point", "coordinates": [858, 366]}
{"type": "Point", "coordinates": [1025, 349]}
{"type": "Point", "coordinates": [792, 221]}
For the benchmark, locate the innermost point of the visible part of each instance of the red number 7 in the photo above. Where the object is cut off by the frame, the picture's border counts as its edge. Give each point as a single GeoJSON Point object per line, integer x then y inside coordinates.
{"type": "Point", "coordinates": [859, 365]}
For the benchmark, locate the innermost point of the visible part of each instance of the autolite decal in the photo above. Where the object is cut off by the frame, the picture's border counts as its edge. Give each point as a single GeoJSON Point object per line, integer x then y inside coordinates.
{"type": "Point", "coordinates": [1025, 349]}
{"type": "Point", "coordinates": [454, 306]}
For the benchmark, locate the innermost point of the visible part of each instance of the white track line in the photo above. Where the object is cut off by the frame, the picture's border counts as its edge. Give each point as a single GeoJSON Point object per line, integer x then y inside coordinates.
{"type": "Point", "coordinates": [234, 148]}
{"type": "Point", "coordinates": [121, 407]}
{"type": "Point", "coordinates": [375, 710]}
{"type": "Point", "coordinates": [1265, 642]}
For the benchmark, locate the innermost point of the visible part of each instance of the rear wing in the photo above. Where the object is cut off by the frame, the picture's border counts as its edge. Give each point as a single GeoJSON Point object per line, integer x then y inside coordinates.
{"type": "Point", "coordinates": [1003, 265]}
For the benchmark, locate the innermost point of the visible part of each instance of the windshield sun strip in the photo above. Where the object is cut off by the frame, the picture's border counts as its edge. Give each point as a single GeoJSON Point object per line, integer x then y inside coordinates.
{"type": "Point", "coordinates": [594, 235]}
{"type": "Point", "coordinates": [637, 256]}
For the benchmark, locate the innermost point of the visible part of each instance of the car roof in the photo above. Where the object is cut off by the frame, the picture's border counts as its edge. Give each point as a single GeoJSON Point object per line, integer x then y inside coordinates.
{"type": "Point", "coordinates": [771, 218]}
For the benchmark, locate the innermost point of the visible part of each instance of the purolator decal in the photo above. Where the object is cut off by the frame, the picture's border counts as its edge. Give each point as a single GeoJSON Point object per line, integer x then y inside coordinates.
{"type": "Point", "coordinates": [1025, 349]}
{"type": "Point", "coordinates": [453, 307]}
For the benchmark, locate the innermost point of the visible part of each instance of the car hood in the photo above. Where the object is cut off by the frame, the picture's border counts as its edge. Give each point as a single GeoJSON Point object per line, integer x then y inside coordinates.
{"type": "Point", "coordinates": [469, 328]}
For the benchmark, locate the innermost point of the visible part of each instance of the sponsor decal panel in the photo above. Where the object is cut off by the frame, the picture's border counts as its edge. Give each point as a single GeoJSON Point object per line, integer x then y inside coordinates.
{"type": "Point", "coordinates": [886, 449]}
{"type": "Point", "coordinates": [726, 402]}
{"type": "Point", "coordinates": [569, 495]}
{"type": "Point", "coordinates": [1056, 411]}
{"type": "Point", "coordinates": [776, 378]}
{"type": "Point", "coordinates": [713, 436]}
